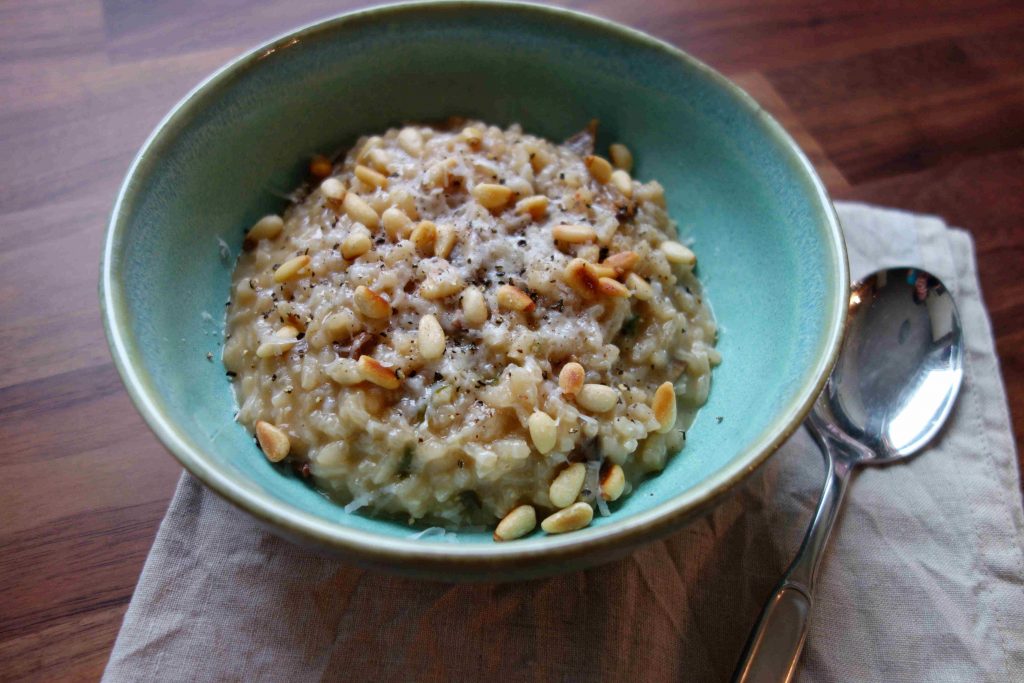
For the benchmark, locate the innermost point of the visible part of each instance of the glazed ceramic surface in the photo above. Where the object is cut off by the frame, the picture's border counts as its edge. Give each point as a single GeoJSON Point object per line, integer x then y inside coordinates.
{"type": "Point", "coordinates": [769, 246]}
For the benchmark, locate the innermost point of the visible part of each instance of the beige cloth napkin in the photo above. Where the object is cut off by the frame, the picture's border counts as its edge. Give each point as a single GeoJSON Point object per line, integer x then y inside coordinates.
{"type": "Point", "coordinates": [924, 579]}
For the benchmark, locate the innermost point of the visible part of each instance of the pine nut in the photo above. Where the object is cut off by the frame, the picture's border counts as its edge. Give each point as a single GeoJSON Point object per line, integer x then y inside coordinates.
{"type": "Point", "coordinates": [574, 517]}
{"type": "Point", "coordinates": [597, 270]}
{"type": "Point", "coordinates": [274, 442]}
{"type": "Point", "coordinates": [431, 338]}
{"type": "Point", "coordinates": [320, 166]}
{"type": "Point", "coordinates": [378, 159]}
{"type": "Point", "coordinates": [333, 190]}
{"type": "Point", "coordinates": [597, 398]}
{"type": "Point", "coordinates": [286, 332]}
{"type": "Point", "coordinates": [516, 524]}
{"type": "Point", "coordinates": [371, 177]}
{"type": "Point", "coordinates": [678, 253]}
{"type": "Point", "coordinates": [274, 347]}
{"type": "Point", "coordinates": [571, 378]}
{"type": "Point", "coordinates": [664, 407]}
{"type": "Point", "coordinates": [514, 299]}
{"type": "Point", "coordinates": [573, 234]}
{"type": "Point", "coordinates": [566, 487]}
{"type": "Point", "coordinates": [622, 182]}
{"type": "Point", "coordinates": [441, 287]}
{"type": "Point", "coordinates": [622, 262]}
{"type": "Point", "coordinates": [612, 288]}
{"type": "Point", "coordinates": [536, 206]}
{"type": "Point", "coordinates": [613, 481]}
{"type": "Point", "coordinates": [423, 236]}
{"type": "Point", "coordinates": [639, 286]}
{"type": "Point", "coordinates": [473, 137]}
{"type": "Point", "coordinates": [371, 304]}
{"type": "Point", "coordinates": [599, 168]}
{"type": "Point", "coordinates": [474, 307]}
{"type": "Point", "coordinates": [539, 159]}
{"type": "Point", "coordinates": [446, 239]}
{"type": "Point", "coordinates": [410, 140]}
{"type": "Point", "coordinates": [375, 372]}
{"type": "Point", "coordinates": [290, 268]}
{"type": "Point", "coordinates": [492, 196]}
{"type": "Point", "coordinates": [357, 243]}
{"type": "Point", "coordinates": [359, 211]}
{"type": "Point", "coordinates": [266, 228]}
{"type": "Point", "coordinates": [543, 431]}
{"type": "Point", "coordinates": [621, 156]}
{"type": "Point", "coordinates": [579, 279]}
{"type": "Point", "coordinates": [396, 223]}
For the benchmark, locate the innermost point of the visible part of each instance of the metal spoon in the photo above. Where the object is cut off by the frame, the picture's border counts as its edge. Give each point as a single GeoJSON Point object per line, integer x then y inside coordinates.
{"type": "Point", "coordinates": [893, 387]}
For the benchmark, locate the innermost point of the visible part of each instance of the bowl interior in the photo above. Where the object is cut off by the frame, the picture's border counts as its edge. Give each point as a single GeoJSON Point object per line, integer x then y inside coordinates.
{"type": "Point", "coordinates": [764, 235]}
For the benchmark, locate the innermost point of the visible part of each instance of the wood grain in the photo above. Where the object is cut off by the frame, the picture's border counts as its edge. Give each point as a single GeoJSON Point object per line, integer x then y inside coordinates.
{"type": "Point", "coordinates": [914, 105]}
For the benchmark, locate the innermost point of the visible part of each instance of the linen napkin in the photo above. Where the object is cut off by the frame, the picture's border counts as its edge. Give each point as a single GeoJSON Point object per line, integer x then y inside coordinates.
{"type": "Point", "coordinates": [923, 581]}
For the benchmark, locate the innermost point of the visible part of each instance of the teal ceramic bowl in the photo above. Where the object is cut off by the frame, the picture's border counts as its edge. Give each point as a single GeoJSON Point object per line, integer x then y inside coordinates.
{"type": "Point", "coordinates": [770, 248]}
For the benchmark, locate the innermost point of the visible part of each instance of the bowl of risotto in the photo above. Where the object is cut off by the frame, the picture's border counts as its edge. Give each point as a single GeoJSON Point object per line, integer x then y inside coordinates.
{"type": "Point", "coordinates": [472, 291]}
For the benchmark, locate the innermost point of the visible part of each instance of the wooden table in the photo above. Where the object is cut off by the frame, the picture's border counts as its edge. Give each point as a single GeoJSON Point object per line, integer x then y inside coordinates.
{"type": "Point", "coordinates": [920, 108]}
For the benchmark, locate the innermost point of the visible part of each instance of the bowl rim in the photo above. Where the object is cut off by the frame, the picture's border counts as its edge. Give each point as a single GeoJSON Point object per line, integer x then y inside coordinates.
{"type": "Point", "coordinates": [423, 556]}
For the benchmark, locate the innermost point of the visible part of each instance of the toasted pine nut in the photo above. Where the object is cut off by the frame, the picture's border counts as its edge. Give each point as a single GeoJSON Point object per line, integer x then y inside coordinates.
{"type": "Point", "coordinates": [340, 325]}
{"type": "Point", "coordinates": [597, 270]}
{"type": "Point", "coordinates": [492, 196]}
{"type": "Point", "coordinates": [664, 407]}
{"type": "Point", "coordinates": [274, 442]}
{"type": "Point", "coordinates": [574, 517]}
{"type": "Point", "coordinates": [439, 288]}
{"type": "Point", "coordinates": [639, 286]}
{"type": "Point", "coordinates": [286, 332]}
{"type": "Point", "coordinates": [573, 234]}
{"type": "Point", "coordinates": [570, 379]}
{"type": "Point", "coordinates": [472, 136]}
{"type": "Point", "coordinates": [359, 211]}
{"type": "Point", "coordinates": [266, 228]}
{"type": "Point", "coordinates": [375, 372]}
{"type": "Point", "coordinates": [423, 236]}
{"type": "Point", "coordinates": [597, 398]}
{"type": "Point", "coordinates": [621, 156]}
{"type": "Point", "coordinates": [613, 288]}
{"type": "Point", "coordinates": [371, 304]}
{"type": "Point", "coordinates": [274, 347]}
{"type": "Point", "coordinates": [514, 299]}
{"type": "Point", "coordinates": [622, 182]}
{"type": "Point", "coordinates": [566, 486]}
{"type": "Point", "coordinates": [536, 206]}
{"type": "Point", "coordinates": [613, 481]}
{"type": "Point", "coordinates": [320, 166]}
{"type": "Point", "coordinates": [539, 159]}
{"type": "Point", "coordinates": [579, 279]}
{"type": "Point", "coordinates": [396, 222]}
{"type": "Point", "coordinates": [543, 432]}
{"type": "Point", "coordinates": [410, 140]}
{"type": "Point", "coordinates": [372, 143]}
{"type": "Point", "coordinates": [290, 268]}
{"type": "Point", "coordinates": [599, 168]}
{"type": "Point", "coordinates": [431, 338]}
{"type": "Point", "coordinates": [345, 372]}
{"type": "Point", "coordinates": [371, 177]}
{"type": "Point", "coordinates": [378, 159]}
{"type": "Point", "coordinates": [356, 244]}
{"type": "Point", "coordinates": [622, 262]}
{"type": "Point", "coordinates": [333, 190]}
{"type": "Point", "coordinates": [516, 524]}
{"type": "Point", "coordinates": [474, 307]}
{"type": "Point", "coordinates": [678, 253]}
{"type": "Point", "coordinates": [446, 239]}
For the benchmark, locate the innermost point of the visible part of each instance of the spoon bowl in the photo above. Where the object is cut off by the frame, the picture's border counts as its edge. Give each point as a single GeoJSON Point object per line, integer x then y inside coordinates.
{"type": "Point", "coordinates": [892, 389]}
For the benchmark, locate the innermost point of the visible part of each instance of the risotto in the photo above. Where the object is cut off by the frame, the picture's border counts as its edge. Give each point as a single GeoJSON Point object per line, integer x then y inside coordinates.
{"type": "Point", "coordinates": [465, 325]}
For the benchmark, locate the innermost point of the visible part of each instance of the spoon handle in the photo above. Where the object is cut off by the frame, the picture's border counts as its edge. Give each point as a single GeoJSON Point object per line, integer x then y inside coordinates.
{"type": "Point", "coordinates": [774, 646]}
